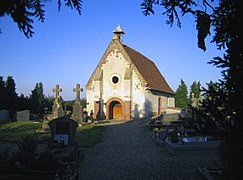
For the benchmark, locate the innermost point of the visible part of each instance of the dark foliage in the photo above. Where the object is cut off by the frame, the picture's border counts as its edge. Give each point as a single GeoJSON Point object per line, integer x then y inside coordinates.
{"type": "Point", "coordinates": [174, 9]}
{"type": "Point", "coordinates": [181, 98]}
{"type": "Point", "coordinates": [23, 12]}
{"type": "Point", "coordinates": [220, 114]}
{"type": "Point", "coordinates": [203, 26]}
{"type": "Point", "coordinates": [8, 96]}
{"type": "Point", "coordinates": [195, 89]}
{"type": "Point", "coordinates": [76, 4]}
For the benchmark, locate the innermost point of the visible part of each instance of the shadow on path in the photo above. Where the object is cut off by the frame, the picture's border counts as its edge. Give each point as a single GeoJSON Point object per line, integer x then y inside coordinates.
{"type": "Point", "coordinates": [128, 152]}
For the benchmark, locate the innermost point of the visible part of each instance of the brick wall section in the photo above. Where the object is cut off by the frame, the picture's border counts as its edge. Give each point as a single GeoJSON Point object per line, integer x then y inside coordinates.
{"type": "Point", "coordinates": [96, 108]}
{"type": "Point", "coordinates": [127, 110]}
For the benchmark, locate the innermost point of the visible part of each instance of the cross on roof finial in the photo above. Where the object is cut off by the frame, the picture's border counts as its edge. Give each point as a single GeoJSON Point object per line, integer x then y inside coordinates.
{"type": "Point", "coordinates": [57, 90]}
{"type": "Point", "coordinates": [77, 90]}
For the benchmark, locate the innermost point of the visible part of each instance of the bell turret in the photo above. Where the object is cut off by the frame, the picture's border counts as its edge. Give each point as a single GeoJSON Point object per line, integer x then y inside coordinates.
{"type": "Point", "coordinates": [118, 33]}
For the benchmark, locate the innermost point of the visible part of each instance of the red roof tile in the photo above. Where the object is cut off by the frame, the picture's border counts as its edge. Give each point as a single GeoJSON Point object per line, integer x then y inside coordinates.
{"type": "Point", "coordinates": [149, 71]}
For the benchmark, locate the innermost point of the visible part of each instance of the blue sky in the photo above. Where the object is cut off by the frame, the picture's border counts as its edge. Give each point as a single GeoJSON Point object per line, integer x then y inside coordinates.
{"type": "Point", "coordinates": [67, 47]}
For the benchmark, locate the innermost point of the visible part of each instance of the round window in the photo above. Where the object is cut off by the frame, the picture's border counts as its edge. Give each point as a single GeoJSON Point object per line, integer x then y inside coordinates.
{"type": "Point", "coordinates": [115, 79]}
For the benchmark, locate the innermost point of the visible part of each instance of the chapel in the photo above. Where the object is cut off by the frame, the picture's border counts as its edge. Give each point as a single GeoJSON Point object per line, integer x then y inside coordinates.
{"type": "Point", "coordinates": [126, 84]}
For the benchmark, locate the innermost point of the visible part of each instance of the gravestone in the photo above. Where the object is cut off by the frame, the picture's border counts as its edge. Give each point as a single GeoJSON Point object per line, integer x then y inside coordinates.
{"type": "Point", "coordinates": [4, 115]}
{"type": "Point", "coordinates": [45, 126]}
{"type": "Point", "coordinates": [194, 102]}
{"type": "Point", "coordinates": [63, 129]}
{"type": "Point", "coordinates": [77, 108]}
{"type": "Point", "coordinates": [57, 110]}
{"type": "Point", "coordinates": [101, 115]}
{"type": "Point", "coordinates": [23, 115]}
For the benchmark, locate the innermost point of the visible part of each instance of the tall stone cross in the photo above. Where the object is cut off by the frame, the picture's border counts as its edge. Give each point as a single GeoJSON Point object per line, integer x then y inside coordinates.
{"type": "Point", "coordinates": [57, 90]}
{"type": "Point", "coordinates": [78, 89]}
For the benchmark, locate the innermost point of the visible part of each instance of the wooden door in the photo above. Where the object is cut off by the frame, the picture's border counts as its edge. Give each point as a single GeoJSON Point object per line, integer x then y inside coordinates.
{"type": "Point", "coordinates": [117, 111]}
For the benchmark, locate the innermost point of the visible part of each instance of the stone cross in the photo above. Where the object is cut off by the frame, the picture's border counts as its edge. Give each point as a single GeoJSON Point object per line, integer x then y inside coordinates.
{"type": "Point", "coordinates": [57, 90]}
{"type": "Point", "coordinates": [77, 90]}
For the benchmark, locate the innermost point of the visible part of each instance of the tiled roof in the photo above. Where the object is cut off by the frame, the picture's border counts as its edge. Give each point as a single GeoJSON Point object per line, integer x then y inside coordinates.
{"type": "Point", "coordinates": [149, 71]}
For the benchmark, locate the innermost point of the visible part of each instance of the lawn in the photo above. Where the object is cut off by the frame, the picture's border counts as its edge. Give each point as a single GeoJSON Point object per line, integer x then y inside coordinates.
{"type": "Point", "coordinates": [14, 131]}
{"type": "Point", "coordinates": [87, 135]}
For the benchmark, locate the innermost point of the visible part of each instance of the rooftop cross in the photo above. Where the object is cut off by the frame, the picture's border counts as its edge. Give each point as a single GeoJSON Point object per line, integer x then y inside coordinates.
{"type": "Point", "coordinates": [77, 90]}
{"type": "Point", "coordinates": [57, 90]}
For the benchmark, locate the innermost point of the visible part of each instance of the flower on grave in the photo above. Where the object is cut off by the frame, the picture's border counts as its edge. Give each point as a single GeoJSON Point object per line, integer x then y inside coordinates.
{"type": "Point", "coordinates": [156, 130]}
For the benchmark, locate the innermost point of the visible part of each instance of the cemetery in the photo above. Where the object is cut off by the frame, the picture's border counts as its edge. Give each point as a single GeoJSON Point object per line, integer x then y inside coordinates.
{"type": "Point", "coordinates": [128, 101]}
{"type": "Point", "coordinates": [53, 147]}
{"type": "Point", "coordinates": [59, 140]}
{"type": "Point", "coordinates": [49, 148]}
{"type": "Point", "coordinates": [179, 136]}
{"type": "Point", "coordinates": [48, 152]}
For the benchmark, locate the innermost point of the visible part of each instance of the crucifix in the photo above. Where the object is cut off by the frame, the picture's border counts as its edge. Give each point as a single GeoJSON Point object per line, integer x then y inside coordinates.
{"type": "Point", "coordinates": [77, 90]}
{"type": "Point", "coordinates": [57, 90]}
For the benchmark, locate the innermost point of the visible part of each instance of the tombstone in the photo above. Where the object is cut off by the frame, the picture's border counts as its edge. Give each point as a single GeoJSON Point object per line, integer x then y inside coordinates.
{"type": "Point", "coordinates": [77, 108]}
{"type": "Point", "coordinates": [57, 110]}
{"type": "Point", "coordinates": [4, 115]}
{"type": "Point", "coordinates": [101, 115]}
{"type": "Point", "coordinates": [63, 129]}
{"type": "Point", "coordinates": [194, 102]}
{"type": "Point", "coordinates": [85, 115]}
{"type": "Point", "coordinates": [45, 125]}
{"type": "Point", "coordinates": [23, 115]}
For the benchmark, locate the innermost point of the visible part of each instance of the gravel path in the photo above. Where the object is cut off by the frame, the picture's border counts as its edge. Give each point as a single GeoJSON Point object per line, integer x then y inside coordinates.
{"type": "Point", "coordinates": [128, 152]}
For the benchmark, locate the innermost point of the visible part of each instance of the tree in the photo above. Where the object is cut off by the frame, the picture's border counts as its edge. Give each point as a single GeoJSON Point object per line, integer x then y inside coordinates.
{"type": "Point", "coordinates": [22, 103]}
{"type": "Point", "coordinates": [195, 89]}
{"type": "Point", "coordinates": [222, 109]}
{"type": "Point", "coordinates": [23, 12]}
{"type": "Point", "coordinates": [181, 98]}
{"type": "Point", "coordinates": [48, 102]}
{"type": "Point", "coordinates": [69, 104]}
{"type": "Point", "coordinates": [11, 96]}
{"type": "Point", "coordinates": [3, 94]}
{"type": "Point", "coordinates": [37, 99]}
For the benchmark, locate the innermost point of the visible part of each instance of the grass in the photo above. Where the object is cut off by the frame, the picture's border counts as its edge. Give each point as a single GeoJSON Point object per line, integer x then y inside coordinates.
{"type": "Point", "coordinates": [14, 131]}
{"type": "Point", "coordinates": [87, 136]}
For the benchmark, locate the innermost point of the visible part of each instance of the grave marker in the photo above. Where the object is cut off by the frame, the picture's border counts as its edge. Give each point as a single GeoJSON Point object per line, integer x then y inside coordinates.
{"type": "Point", "coordinates": [4, 115]}
{"type": "Point", "coordinates": [57, 110]}
{"type": "Point", "coordinates": [77, 108]}
{"type": "Point", "coordinates": [23, 115]}
{"type": "Point", "coordinates": [63, 129]}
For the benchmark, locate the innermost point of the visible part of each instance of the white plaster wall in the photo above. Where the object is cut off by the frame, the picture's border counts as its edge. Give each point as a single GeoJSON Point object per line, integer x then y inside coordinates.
{"type": "Point", "coordinates": [171, 102]}
{"type": "Point", "coordinates": [116, 66]}
{"type": "Point", "coordinates": [90, 100]}
{"type": "Point", "coordinates": [138, 97]}
{"type": "Point", "coordinates": [152, 103]}
{"type": "Point", "coordinates": [152, 98]}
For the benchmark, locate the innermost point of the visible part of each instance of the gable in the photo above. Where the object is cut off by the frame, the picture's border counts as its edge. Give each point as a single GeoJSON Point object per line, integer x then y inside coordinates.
{"type": "Point", "coordinates": [145, 68]}
{"type": "Point", "coordinates": [115, 47]}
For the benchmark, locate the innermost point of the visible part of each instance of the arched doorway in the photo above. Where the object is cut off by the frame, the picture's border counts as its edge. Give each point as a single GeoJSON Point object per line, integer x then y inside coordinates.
{"type": "Point", "coordinates": [115, 110]}
{"type": "Point", "coordinates": [115, 107]}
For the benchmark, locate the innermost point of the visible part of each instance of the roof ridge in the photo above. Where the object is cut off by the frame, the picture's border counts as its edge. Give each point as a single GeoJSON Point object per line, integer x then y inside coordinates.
{"type": "Point", "coordinates": [148, 70]}
{"type": "Point", "coordinates": [139, 53]}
